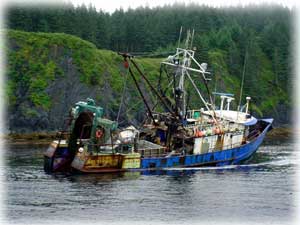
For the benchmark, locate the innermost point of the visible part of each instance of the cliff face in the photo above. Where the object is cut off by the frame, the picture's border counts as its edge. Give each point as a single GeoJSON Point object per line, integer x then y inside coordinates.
{"type": "Point", "coordinates": [49, 73]}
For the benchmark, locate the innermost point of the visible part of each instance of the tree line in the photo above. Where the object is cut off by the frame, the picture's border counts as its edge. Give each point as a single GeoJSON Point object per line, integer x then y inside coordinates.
{"type": "Point", "coordinates": [147, 29]}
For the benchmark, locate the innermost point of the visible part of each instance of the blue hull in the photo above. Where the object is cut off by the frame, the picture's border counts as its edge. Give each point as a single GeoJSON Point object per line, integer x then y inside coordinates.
{"type": "Point", "coordinates": [217, 158]}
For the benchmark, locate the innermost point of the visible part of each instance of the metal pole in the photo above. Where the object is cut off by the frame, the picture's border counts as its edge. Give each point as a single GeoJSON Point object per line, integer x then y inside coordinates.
{"type": "Point", "coordinates": [242, 84]}
{"type": "Point", "coordinates": [179, 36]}
{"type": "Point", "coordinates": [112, 144]}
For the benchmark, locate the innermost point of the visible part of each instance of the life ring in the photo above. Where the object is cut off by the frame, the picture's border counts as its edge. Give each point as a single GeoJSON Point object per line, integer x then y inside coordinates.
{"type": "Point", "coordinates": [98, 134]}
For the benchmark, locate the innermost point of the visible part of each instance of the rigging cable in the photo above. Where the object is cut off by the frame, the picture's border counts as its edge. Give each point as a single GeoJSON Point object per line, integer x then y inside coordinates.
{"type": "Point", "coordinates": [123, 94]}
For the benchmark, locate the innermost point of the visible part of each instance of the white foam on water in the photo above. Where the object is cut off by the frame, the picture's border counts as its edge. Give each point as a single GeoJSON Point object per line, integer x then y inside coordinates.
{"type": "Point", "coordinates": [282, 162]}
{"type": "Point", "coordinates": [202, 168]}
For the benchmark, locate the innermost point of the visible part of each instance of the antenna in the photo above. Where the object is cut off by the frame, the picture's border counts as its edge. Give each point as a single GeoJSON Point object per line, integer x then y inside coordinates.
{"type": "Point", "coordinates": [192, 39]}
{"type": "Point", "coordinates": [188, 35]}
{"type": "Point", "coordinates": [179, 37]}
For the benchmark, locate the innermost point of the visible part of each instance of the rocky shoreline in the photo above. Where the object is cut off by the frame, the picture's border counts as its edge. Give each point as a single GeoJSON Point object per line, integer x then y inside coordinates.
{"type": "Point", "coordinates": [280, 134]}
{"type": "Point", "coordinates": [34, 138]}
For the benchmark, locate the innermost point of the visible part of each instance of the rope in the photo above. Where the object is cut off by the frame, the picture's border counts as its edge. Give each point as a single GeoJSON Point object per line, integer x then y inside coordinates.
{"type": "Point", "coordinates": [128, 110]}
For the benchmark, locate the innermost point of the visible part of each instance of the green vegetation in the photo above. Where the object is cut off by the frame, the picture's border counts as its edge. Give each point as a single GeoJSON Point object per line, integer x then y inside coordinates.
{"type": "Point", "coordinates": [36, 60]}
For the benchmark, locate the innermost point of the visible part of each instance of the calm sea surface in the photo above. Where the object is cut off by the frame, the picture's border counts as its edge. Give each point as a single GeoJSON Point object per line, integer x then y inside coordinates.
{"type": "Point", "coordinates": [263, 190]}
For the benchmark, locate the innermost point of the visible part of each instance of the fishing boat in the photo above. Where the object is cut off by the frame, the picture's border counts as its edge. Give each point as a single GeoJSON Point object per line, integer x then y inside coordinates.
{"type": "Point", "coordinates": [175, 136]}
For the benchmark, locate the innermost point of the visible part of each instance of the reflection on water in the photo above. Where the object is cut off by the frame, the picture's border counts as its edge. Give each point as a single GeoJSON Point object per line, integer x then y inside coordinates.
{"type": "Point", "coordinates": [262, 189]}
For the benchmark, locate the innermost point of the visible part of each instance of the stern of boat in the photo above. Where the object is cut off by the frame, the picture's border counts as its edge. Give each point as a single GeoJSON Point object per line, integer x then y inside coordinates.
{"type": "Point", "coordinates": [57, 157]}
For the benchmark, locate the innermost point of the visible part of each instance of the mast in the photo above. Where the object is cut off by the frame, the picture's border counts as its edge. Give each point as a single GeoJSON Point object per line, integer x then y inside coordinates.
{"type": "Point", "coordinates": [183, 60]}
{"type": "Point", "coordinates": [186, 62]}
{"type": "Point", "coordinates": [179, 37]}
{"type": "Point", "coordinates": [183, 63]}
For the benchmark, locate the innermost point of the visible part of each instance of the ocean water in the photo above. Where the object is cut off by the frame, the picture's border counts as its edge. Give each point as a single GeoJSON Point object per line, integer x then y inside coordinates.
{"type": "Point", "coordinates": [263, 190]}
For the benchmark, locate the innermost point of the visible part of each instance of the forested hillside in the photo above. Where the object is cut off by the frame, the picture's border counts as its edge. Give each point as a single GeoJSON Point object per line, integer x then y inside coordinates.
{"type": "Point", "coordinates": [48, 72]}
